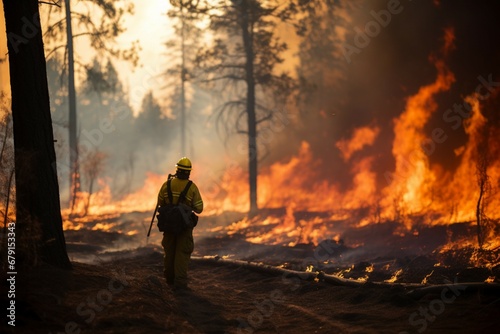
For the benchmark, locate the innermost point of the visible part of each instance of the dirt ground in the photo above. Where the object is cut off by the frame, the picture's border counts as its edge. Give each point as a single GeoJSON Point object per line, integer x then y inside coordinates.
{"type": "Point", "coordinates": [117, 285]}
{"type": "Point", "coordinates": [129, 295]}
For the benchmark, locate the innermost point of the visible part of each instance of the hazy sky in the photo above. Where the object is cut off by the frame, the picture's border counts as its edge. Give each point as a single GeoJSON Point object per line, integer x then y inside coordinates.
{"type": "Point", "coordinates": [150, 26]}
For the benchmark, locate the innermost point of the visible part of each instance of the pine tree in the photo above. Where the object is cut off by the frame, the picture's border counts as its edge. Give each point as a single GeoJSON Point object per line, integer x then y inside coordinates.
{"type": "Point", "coordinates": [241, 62]}
{"type": "Point", "coordinates": [181, 51]}
{"type": "Point", "coordinates": [101, 30]}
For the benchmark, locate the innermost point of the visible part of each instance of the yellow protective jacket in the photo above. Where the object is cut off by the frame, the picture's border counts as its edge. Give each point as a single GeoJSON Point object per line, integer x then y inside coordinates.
{"type": "Point", "coordinates": [193, 197]}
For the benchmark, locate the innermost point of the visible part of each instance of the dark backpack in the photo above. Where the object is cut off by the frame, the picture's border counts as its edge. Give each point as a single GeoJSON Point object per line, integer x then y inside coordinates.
{"type": "Point", "coordinates": [175, 218]}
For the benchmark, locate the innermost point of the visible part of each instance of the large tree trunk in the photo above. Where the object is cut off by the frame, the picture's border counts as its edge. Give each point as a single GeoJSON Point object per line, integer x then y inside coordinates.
{"type": "Point", "coordinates": [39, 233]}
{"type": "Point", "coordinates": [247, 35]}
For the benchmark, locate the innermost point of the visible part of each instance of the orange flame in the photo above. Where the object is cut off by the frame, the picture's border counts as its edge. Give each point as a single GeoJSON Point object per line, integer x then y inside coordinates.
{"type": "Point", "coordinates": [415, 187]}
{"type": "Point", "coordinates": [410, 184]}
{"type": "Point", "coordinates": [362, 137]}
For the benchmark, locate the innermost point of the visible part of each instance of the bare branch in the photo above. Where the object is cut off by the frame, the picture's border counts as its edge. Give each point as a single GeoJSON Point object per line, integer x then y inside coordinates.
{"type": "Point", "coordinates": [231, 77]}
{"type": "Point", "coordinates": [265, 118]}
{"type": "Point", "coordinates": [55, 49]}
{"type": "Point", "coordinates": [52, 3]}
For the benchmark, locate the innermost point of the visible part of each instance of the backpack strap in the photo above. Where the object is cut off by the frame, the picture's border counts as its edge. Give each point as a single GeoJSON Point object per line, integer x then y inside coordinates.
{"type": "Point", "coordinates": [169, 191]}
{"type": "Point", "coordinates": [184, 192]}
{"type": "Point", "coordinates": [181, 196]}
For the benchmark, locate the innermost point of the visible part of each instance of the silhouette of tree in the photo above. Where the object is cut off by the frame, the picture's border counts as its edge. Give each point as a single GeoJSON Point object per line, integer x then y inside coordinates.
{"type": "Point", "coordinates": [92, 167]}
{"type": "Point", "coordinates": [100, 22]}
{"type": "Point", "coordinates": [39, 233]}
{"type": "Point", "coordinates": [155, 123]}
{"type": "Point", "coordinates": [181, 51]}
{"type": "Point", "coordinates": [242, 63]}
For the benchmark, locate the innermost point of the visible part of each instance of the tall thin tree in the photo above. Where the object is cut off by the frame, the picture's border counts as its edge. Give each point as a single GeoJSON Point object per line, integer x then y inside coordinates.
{"type": "Point", "coordinates": [181, 49]}
{"type": "Point", "coordinates": [244, 56]}
{"type": "Point", "coordinates": [74, 175]}
{"type": "Point", "coordinates": [101, 29]}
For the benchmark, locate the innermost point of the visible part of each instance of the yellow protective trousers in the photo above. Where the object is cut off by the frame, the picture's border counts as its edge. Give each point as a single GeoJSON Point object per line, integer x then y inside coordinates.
{"type": "Point", "coordinates": [178, 249]}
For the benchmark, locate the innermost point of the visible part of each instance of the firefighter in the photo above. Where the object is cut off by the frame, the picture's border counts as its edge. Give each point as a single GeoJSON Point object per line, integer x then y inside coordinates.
{"type": "Point", "coordinates": [178, 248]}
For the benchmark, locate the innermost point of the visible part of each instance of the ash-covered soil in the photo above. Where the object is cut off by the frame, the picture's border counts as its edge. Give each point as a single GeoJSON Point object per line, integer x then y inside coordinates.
{"type": "Point", "coordinates": [129, 295]}
{"type": "Point", "coordinates": [373, 279]}
{"type": "Point", "coordinates": [373, 253]}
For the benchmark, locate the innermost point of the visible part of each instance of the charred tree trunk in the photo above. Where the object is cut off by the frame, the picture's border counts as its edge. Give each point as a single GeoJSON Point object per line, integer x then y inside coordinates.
{"type": "Point", "coordinates": [183, 83]}
{"type": "Point", "coordinates": [74, 177]}
{"type": "Point", "coordinates": [483, 184]}
{"type": "Point", "coordinates": [7, 201]}
{"type": "Point", "coordinates": [247, 35]}
{"type": "Point", "coordinates": [478, 215]}
{"type": "Point", "coordinates": [4, 140]}
{"type": "Point", "coordinates": [39, 232]}
{"type": "Point", "coordinates": [91, 189]}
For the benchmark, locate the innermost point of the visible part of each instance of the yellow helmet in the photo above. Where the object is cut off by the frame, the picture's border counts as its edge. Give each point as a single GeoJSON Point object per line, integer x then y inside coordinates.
{"type": "Point", "coordinates": [184, 164]}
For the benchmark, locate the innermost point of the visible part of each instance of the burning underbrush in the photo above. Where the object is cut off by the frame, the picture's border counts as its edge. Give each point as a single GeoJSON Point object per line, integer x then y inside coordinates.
{"type": "Point", "coordinates": [305, 241]}
{"type": "Point", "coordinates": [419, 221]}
